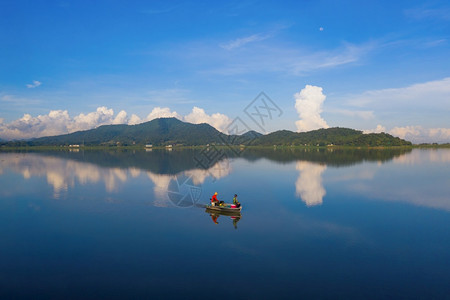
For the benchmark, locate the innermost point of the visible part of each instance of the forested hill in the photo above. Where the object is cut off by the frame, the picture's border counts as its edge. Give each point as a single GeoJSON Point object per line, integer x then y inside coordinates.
{"type": "Point", "coordinates": [171, 131]}
{"type": "Point", "coordinates": [162, 131]}
{"type": "Point", "coordinates": [331, 136]}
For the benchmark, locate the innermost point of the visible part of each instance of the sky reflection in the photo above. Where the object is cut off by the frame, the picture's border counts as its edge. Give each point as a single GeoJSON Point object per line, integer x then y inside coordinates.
{"type": "Point", "coordinates": [337, 219]}
{"type": "Point", "coordinates": [62, 174]}
{"type": "Point", "coordinates": [410, 171]}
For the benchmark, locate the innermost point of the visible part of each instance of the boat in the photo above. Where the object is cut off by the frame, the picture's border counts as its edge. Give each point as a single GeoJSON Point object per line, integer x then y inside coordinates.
{"type": "Point", "coordinates": [224, 208]}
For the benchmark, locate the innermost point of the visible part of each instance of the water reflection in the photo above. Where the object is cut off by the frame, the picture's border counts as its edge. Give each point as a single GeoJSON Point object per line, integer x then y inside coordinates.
{"type": "Point", "coordinates": [235, 218]}
{"type": "Point", "coordinates": [112, 248]}
{"type": "Point", "coordinates": [377, 182]}
{"type": "Point", "coordinates": [62, 174]}
{"type": "Point", "coordinates": [309, 182]}
{"type": "Point", "coordinates": [183, 189]}
{"type": "Point", "coordinates": [424, 156]}
{"type": "Point", "coordinates": [391, 175]}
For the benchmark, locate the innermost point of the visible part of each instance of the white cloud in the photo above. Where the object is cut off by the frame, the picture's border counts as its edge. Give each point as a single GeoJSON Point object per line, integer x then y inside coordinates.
{"type": "Point", "coordinates": [163, 112]}
{"type": "Point", "coordinates": [27, 126]}
{"type": "Point", "coordinates": [217, 120]}
{"type": "Point", "coordinates": [102, 116]}
{"type": "Point", "coordinates": [426, 103]}
{"type": "Point", "coordinates": [346, 54]}
{"type": "Point", "coordinates": [33, 85]}
{"type": "Point", "coordinates": [245, 40]}
{"type": "Point", "coordinates": [59, 122]}
{"type": "Point", "coordinates": [403, 132]}
{"type": "Point", "coordinates": [378, 129]}
{"type": "Point", "coordinates": [419, 134]}
{"type": "Point", "coordinates": [416, 134]}
{"type": "Point", "coordinates": [157, 112]}
{"type": "Point", "coordinates": [134, 119]}
{"type": "Point", "coordinates": [263, 57]}
{"type": "Point", "coordinates": [121, 118]}
{"type": "Point", "coordinates": [427, 95]}
{"type": "Point", "coordinates": [308, 103]}
{"type": "Point", "coordinates": [361, 114]}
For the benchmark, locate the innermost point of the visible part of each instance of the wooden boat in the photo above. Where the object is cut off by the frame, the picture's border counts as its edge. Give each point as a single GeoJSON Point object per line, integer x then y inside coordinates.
{"type": "Point", "coordinates": [225, 208]}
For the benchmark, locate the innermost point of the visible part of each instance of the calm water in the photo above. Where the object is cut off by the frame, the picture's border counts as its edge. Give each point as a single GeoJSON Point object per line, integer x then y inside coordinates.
{"type": "Point", "coordinates": [314, 224]}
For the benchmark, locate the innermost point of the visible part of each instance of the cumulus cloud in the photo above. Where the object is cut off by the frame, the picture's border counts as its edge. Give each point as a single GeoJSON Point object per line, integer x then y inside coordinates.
{"type": "Point", "coordinates": [121, 118]}
{"type": "Point", "coordinates": [102, 116]}
{"type": "Point", "coordinates": [59, 122]}
{"type": "Point", "coordinates": [134, 119]}
{"type": "Point", "coordinates": [217, 120]}
{"type": "Point", "coordinates": [33, 85]}
{"type": "Point", "coordinates": [378, 129]}
{"type": "Point", "coordinates": [416, 133]}
{"type": "Point", "coordinates": [157, 112]}
{"type": "Point", "coordinates": [396, 107]}
{"type": "Point", "coordinates": [164, 112]}
{"type": "Point", "coordinates": [308, 103]}
{"type": "Point", "coordinates": [26, 127]}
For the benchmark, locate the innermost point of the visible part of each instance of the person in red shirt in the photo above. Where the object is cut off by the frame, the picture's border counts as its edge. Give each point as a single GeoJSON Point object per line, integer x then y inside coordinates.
{"type": "Point", "coordinates": [214, 200]}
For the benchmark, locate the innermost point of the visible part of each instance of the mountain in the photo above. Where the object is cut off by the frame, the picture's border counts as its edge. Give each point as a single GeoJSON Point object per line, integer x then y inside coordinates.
{"type": "Point", "coordinates": [251, 134]}
{"type": "Point", "coordinates": [163, 131]}
{"type": "Point", "coordinates": [331, 136]}
{"type": "Point", "coordinates": [171, 131]}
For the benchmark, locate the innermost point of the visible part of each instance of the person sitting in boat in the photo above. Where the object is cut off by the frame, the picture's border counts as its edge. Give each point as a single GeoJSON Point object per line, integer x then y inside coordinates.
{"type": "Point", "coordinates": [235, 201]}
{"type": "Point", "coordinates": [215, 201]}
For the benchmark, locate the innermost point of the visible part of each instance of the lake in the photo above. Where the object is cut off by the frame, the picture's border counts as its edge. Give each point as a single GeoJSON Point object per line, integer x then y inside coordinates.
{"type": "Point", "coordinates": [315, 224]}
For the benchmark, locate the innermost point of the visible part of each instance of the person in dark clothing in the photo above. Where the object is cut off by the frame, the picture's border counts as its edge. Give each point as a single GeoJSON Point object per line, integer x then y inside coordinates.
{"type": "Point", "coordinates": [235, 201]}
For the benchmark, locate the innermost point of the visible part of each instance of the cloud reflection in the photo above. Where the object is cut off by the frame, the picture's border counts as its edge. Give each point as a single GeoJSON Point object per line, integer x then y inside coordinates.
{"type": "Point", "coordinates": [198, 176]}
{"type": "Point", "coordinates": [424, 156]}
{"type": "Point", "coordinates": [309, 182]}
{"type": "Point", "coordinates": [62, 174]}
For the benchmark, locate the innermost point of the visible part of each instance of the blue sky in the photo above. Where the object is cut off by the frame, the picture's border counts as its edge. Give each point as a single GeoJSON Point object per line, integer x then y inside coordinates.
{"type": "Point", "coordinates": [374, 66]}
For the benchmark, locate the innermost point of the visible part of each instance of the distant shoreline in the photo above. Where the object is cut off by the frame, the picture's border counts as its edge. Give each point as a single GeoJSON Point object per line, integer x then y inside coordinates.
{"type": "Point", "coordinates": [280, 147]}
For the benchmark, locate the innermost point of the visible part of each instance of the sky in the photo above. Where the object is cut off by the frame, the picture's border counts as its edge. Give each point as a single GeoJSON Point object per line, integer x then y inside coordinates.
{"type": "Point", "coordinates": [376, 66]}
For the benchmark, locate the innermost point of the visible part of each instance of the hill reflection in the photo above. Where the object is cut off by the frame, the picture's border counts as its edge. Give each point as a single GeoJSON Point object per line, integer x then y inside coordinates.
{"type": "Point", "coordinates": [175, 178]}
{"type": "Point", "coordinates": [176, 161]}
{"type": "Point", "coordinates": [62, 172]}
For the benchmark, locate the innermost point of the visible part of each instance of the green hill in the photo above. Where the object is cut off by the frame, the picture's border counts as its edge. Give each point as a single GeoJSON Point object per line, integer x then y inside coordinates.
{"type": "Point", "coordinates": [331, 136]}
{"type": "Point", "coordinates": [158, 132]}
{"type": "Point", "coordinates": [171, 131]}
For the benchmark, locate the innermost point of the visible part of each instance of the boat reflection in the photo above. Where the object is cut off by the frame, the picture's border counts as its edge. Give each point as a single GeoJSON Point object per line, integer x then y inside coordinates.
{"type": "Point", "coordinates": [234, 216]}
